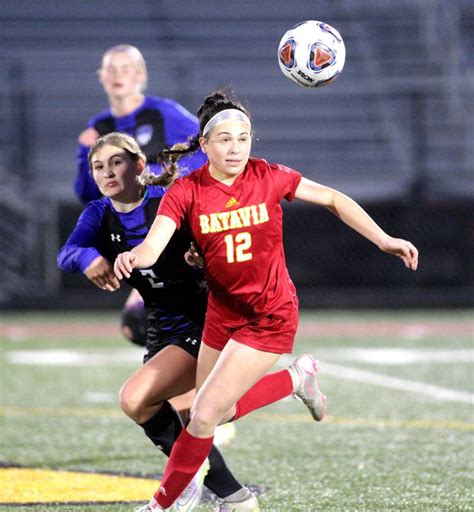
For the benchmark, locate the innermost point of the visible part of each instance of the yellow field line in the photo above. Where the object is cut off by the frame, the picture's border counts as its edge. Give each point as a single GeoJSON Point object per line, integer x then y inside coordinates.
{"type": "Point", "coordinates": [37, 485]}
{"type": "Point", "coordinates": [95, 412]}
{"type": "Point", "coordinates": [366, 422]}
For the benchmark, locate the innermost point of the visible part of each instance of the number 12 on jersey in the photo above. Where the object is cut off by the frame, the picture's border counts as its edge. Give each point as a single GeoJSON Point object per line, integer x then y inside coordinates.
{"type": "Point", "coordinates": [237, 247]}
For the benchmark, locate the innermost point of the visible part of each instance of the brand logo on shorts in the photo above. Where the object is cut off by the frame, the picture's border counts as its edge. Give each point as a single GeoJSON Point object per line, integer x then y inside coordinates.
{"type": "Point", "coordinates": [193, 341]}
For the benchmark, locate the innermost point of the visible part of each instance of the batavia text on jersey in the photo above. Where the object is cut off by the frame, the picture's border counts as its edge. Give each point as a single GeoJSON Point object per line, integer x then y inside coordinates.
{"type": "Point", "coordinates": [240, 218]}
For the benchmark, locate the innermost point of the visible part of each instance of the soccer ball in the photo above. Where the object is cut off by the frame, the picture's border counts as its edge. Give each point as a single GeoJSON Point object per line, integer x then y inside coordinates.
{"type": "Point", "coordinates": [311, 54]}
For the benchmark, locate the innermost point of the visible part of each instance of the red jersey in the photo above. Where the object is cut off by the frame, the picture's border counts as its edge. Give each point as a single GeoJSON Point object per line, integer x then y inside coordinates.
{"type": "Point", "coordinates": [238, 229]}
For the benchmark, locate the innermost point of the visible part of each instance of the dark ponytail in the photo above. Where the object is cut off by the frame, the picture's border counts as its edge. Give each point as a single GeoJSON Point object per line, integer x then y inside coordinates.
{"type": "Point", "coordinates": [168, 159]}
{"type": "Point", "coordinates": [219, 100]}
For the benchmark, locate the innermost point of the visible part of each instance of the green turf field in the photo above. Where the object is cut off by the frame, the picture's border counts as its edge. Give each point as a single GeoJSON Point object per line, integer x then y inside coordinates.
{"type": "Point", "coordinates": [398, 436]}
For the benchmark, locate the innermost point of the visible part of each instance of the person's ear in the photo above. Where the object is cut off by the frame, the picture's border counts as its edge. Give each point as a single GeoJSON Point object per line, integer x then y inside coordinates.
{"type": "Point", "coordinates": [140, 166]}
{"type": "Point", "coordinates": [203, 144]}
{"type": "Point", "coordinates": [100, 75]}
{"type": "Point", "coordinates": [142, 79]}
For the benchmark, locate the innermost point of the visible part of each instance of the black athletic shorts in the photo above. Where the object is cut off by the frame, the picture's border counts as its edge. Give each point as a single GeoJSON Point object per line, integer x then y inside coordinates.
{"type": "Point", "coordinates": [181, 330]}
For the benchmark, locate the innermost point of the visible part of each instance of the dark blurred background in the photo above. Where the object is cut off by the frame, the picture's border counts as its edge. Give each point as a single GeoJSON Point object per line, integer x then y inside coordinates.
{"type": "Point", "coordinates": [395, 132]}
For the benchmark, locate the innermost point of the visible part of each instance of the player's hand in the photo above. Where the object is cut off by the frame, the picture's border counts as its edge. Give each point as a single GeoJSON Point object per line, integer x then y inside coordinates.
{"type": "Point", "coordinates": [193, 258]}
{"type": "Point", "coordinates": [404, 250]}
{"type": "Point", "coordinates": [124, 264]}
{"type": "Point", "coordinates": [101, 273]}
{"type": "Point", "coordinates": [88, 137]}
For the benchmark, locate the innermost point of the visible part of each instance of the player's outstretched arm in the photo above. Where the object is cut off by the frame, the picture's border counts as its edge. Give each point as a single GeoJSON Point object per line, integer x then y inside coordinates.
{"type": "Point", "coordinates": [404, 250]}
{"type": "Point", "coordinates": [101, 273]}
{"type": "Point", "coordinates": [145, 254]}
{"type": "Point", "coordinates": [358, 219]}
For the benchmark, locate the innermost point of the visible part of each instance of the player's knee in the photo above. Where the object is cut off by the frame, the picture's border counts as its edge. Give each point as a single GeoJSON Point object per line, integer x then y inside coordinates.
{"type": "Point", "coordinates": [132, 402]}
{"type": "Point", "coordinates": [134, 324]}
{"type": "Point", "coordinates": [204, 418]}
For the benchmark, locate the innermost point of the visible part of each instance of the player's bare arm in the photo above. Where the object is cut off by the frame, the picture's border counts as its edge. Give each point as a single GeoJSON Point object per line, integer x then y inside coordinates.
{"type": "Point", "coordinates": [145, 254]}
{"type": "Point", "coordinates": [358, 219]}
{"type": "Point", "coordinates": [101, 273]}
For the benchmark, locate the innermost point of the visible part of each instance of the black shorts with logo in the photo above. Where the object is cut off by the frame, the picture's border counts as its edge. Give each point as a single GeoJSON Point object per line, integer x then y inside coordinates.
{"type": "Point", "coordinates": [182, 328]}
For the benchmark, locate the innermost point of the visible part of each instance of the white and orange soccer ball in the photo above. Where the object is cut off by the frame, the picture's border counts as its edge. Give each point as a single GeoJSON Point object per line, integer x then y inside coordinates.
{"type": "Point", "coordinates": [312, 54]}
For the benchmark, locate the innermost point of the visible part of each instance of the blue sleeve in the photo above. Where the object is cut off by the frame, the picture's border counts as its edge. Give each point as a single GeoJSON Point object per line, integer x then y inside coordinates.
{"type": "Point", "coordinates": [190, 163]}
{"type": "Point", "coordinates": [84, 186]}
{"type": "Point", "coordinates": [180, 124]}
{"type": "Point", "coordinates": [80, 249]}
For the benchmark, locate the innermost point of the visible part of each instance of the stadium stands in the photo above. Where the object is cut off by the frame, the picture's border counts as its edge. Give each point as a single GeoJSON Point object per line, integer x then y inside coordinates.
{"type": "Point", "coordinates": [396, 126]}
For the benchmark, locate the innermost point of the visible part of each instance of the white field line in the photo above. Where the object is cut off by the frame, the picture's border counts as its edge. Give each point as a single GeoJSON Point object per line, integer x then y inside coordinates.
{"type": "Point", "coordinates": [70, 357]}
{"type": "Point", "coordinates": [99, 397]}
{"type": "Point", "coordinates": [133, 356]}
{"type": "Point", "coordinates": [375, 356]}
{"type": "Point", "coordinates": [437, 392]}
{"type": "Point", "coordinates": [399, 356]}
{"type": "Point", "coordinates": [393, 356]}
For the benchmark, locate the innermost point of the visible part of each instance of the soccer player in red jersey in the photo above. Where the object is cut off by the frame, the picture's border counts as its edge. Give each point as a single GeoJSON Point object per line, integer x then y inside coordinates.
{"type": "Point", "coordinates": [232, 207]}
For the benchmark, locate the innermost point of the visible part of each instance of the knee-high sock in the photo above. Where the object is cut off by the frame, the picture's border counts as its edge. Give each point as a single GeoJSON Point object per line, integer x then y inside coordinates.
{"type": "Point", "coordinates": [270, 388]}
{"type": "Point", "coordinates": [164, 428]}
{"type": "Point", "coordinates": [220, 479]}
{"type": "Point", "coordinates": [187, 456]}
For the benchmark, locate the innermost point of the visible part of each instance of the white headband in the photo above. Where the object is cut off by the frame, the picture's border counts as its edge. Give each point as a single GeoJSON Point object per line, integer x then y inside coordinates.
{"type": "Point", "coordinates": [225, 115]}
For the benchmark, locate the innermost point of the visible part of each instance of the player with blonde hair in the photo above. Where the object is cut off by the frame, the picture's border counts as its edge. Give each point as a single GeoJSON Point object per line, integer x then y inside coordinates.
{"type": "Point", "coordinates": [154, 122]}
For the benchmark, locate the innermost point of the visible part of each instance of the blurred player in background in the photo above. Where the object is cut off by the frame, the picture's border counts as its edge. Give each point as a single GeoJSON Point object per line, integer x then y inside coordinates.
{"type": "Point", "coordinates": [232, 207]}
{"type": "Point", "coordinates": [175, 297]}
{"type": "Point", "coordinates": [154, 123]}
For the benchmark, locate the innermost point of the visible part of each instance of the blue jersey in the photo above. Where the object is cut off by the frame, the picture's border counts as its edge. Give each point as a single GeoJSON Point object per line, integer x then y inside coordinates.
{"type": "Point", "coordinates": [157, 123]}
{"type": "Point", "coordinates": [170, 288]}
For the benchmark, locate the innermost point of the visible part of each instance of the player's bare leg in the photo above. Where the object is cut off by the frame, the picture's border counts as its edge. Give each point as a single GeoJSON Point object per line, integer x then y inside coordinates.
{"type": "Point", "coordinates": [168, 374]}
{"type": "Point", "coordinates": [221, 382]}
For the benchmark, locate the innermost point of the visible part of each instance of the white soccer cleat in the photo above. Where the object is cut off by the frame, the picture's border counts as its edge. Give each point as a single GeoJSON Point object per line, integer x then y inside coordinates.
{"type": "Point", "coordinates": [250, 504]}
{"type": "Point", "coordinates": [190, 498]}
{"type": "Point", "coordinates": [152, 506]}
{"type": "Point", "coordinates": [308, 390]}
{"type": "Point", "coordinates": [224, 434]}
